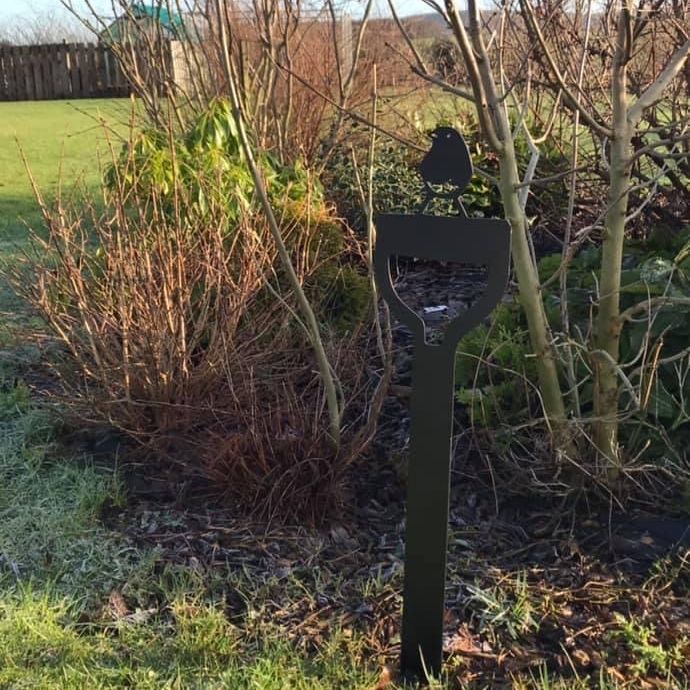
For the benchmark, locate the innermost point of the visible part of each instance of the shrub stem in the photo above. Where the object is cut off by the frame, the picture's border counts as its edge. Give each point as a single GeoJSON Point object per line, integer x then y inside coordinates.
{"type": "Point", "coordinates": [325, 369]}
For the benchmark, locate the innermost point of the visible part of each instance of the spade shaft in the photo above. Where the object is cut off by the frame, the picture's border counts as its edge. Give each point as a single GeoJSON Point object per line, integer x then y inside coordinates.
{"type": "Point", "coordinates": [480, 242]}
{"type": "Point", "coordinates": [428, 487]}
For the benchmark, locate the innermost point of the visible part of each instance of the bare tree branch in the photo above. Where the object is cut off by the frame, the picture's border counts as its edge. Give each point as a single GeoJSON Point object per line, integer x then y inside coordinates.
{"type": "Point", "coordinates": [570, 99]}
{"type": "Point", "coordinates": [653, 94]}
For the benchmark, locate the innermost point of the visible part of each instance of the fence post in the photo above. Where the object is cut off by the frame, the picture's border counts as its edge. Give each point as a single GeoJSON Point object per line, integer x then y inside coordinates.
{"type": "Point", "coordinates": [27, 70]}
{"type": "Point", "coordinates": [62, 71]}
{"type": "Point", "coordinates": [72, 61]}
{"type": "Point", "coordinates": [45, 72]}
{"type": "Point", "coordinates": [13, 76]}
{"type": "Point", "coordinates": [4, 85]}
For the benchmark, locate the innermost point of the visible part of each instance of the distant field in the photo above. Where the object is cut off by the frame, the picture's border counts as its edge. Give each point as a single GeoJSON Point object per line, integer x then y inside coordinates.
{"type": "Point", "coordinates": [60, 139]}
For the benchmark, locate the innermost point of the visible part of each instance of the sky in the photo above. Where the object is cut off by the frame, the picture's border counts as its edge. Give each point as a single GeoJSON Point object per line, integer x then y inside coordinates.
{"type": "Point", "coordinates": [11, 9]}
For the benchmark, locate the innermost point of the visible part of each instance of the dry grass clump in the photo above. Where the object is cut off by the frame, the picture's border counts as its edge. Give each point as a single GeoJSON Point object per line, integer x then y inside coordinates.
{"type": "Point", "coordinates": [178, 331]}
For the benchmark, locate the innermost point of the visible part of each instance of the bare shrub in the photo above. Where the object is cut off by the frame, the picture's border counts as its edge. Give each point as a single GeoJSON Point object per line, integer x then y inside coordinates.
{"type": "Point", "coordinates": [178, 330]}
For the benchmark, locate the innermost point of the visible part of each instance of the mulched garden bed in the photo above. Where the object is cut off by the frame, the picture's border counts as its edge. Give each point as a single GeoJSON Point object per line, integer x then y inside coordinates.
{"type": "Point", "coordinates": [517, 600]}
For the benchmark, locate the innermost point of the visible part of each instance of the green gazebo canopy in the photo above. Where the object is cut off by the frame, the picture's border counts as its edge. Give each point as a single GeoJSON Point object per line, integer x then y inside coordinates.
{"type": "Point", "coordinates": [162, 15]}
{"type": "Point", "coordinates": [173, 24]}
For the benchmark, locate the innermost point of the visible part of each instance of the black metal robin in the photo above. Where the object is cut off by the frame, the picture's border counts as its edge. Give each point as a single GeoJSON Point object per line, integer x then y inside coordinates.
{"type": "Point", "coordinates": [447, 165]}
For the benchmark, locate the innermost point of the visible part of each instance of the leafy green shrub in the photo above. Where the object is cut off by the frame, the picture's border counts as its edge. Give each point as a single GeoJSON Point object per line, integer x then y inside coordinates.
{"type": "Point", "coordinates": [654, 340]}
{"type": "Point", "coordinates": [343, 293]}
{"type": "Point", "coordinates": [207, 160]}
{"type": "Point", "coordinates": [490, 363]}
{"type": "Point", "coordinates": [397, 186]}
{"type": "Point", "coordinates": [494, 367]}
{"type": "Point", "coordinates": [206, 164]}
{"type": "Point", "coordinates": [202, 172]}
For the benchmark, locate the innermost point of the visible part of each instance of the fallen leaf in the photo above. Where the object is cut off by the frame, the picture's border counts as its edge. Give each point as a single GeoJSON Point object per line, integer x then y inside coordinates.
{"type": "Point", "coordinates": [581, 657]}
{"type": "Point", "coordinates": [117, 606]}
{"type": "Point", "coordinates": [385, 679]}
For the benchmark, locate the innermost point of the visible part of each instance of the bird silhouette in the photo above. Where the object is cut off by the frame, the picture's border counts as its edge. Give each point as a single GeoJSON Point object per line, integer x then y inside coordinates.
{"type": "Point", "coordinates": [448, 163]}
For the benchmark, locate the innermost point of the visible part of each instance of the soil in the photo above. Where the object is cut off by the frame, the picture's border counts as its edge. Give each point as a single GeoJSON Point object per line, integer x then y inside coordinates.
{"type": "Point", "coordinates": [559, 595]}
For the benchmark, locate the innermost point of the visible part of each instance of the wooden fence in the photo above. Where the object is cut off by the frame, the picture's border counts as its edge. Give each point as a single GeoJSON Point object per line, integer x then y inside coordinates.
{"type": "Point", "coordinates": [67, 70]}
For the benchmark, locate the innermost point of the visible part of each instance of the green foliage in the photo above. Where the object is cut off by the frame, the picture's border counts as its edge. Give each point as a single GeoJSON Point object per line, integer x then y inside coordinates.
{"type": "Point", "coordinates": [502, 607]}
{"type": "Point", "coordinates": [655, 396]}
{"type": "Point", "coordinates": [14, 399]}
{"type": "Point", "coordinates": [207, 161]}
{"type": "Point", "coordinates": [343, 292]}
{"type": "Point", "coordinates": [650, 654]}
{"type": "Point", "coordinates": [544, 680]}
{"type": "Point", "coordinates": [657, 268]}
{"type": "Point", "coordinates": [491, 364]}
{"type": "Point", "coordinates": [43, 646]}
{"type": "Point", "coordinates": [397, 186]}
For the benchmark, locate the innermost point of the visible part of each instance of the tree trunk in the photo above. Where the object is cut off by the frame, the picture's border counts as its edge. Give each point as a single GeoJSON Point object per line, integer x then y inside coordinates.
{"type": "Point", "coordinates": [530, 299]}
{"type": "Point", "coordinates": [608, 325]}
{"type": "Point", "coordinates": [493, 117]}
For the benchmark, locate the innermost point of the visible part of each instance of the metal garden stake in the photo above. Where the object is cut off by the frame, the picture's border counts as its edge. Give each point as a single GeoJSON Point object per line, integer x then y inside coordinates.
{"type": "Point", "coordinates": [481, 242]}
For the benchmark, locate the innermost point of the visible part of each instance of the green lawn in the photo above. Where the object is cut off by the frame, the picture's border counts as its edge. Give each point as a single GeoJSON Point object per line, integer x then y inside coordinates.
{"type": "Point", "coordinates": [62, 142]}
